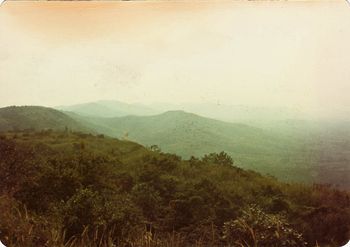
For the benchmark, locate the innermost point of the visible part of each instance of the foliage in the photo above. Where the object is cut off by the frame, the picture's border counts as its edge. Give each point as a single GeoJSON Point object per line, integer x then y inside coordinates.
{"type": "Point", "coordinates": [221, 158]}
{"type": "Point", "coordinates": [256, 228]}
{"type": "Point", "coordinates": [57, 192]}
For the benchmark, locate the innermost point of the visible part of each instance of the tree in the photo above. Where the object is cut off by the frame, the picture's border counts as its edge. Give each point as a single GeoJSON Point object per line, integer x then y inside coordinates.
{"type": "Point", "coordinates": [219, 159]}
{"type": "Point", "coordinates": [256, 228]}
{"type": "Point", "coordinates": [155, 148]}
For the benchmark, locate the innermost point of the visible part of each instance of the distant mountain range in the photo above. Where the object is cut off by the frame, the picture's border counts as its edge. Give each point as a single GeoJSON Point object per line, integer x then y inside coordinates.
{"type": "Point", "coordinates": [291, 150]}
{"type": "Point", "coordinates": [179, 132]}
{"type": "Point", "coordinates": [108, 108]}
{"type": "Point", "coordinates": [259, 116]}
{"type": "Point", "coordinates": [230, 113]}
{"type": "Point", "coordinates": [235, 113]}
{"type": "Point", "coordinates": [188, 134]}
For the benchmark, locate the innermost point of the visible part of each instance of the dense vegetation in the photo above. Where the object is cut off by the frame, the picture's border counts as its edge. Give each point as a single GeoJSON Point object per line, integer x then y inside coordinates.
{"type": "Point", "coordinates": [188, 134]}
{"type": "Point", "coordinates": [181, 133]}
{"type": "Point", "coordinates": [36, 117]}
{"type": "Point", "coordinates": [293, 150]}
{"type": "Point", "coordinates": [63, 188]}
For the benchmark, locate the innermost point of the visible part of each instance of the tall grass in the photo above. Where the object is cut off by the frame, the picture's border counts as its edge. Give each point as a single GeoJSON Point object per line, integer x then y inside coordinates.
{"type": "Point", "coordinates": [25, 231]}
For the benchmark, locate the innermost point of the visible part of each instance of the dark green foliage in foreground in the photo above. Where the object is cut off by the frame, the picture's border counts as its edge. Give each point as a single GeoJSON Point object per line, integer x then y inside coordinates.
{"type": "Point", "coordinates": [255, 228]}
{"type": "Point", "coordinates": [63, 188]}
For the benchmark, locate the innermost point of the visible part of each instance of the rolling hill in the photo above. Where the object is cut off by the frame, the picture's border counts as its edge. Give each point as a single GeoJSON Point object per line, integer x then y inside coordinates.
{"type": "Point", "coordinates": [179, 132]}
{"type": "Point", "coordinates": [188, 134]}
{"type": "Point", "coordinates": [95, 189]}
{"type": "Point", "coordinates": [292, 150]}
{"type": "Point", "coordinates": [37, 117]}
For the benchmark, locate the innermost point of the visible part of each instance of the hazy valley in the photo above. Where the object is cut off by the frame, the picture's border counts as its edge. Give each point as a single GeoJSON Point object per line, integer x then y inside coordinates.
{"type": "Point", "coordinates": [174, 123]}
{"type": "Point", "coordinates": [289, 149]}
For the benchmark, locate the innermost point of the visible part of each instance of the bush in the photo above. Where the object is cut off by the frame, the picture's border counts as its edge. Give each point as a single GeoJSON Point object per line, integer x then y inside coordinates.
{"type": "Point", "coordinates": [256, 228]}
{"type": "Point", "coordinates": [219, 159]}
{"type": "Point", "coordinates": [18, 227]}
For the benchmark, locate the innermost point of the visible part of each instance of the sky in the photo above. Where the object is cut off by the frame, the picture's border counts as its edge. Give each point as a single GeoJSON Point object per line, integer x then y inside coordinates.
{"type": "Point", "coordinates": [285, 54]}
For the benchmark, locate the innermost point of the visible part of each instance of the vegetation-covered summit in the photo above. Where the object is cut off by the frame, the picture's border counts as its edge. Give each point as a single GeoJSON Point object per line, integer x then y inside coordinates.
{"type": "Point", "coordinates": [292, 151]}
{"type": "Point", "coordinates": [75, 189]}
{"type": "Point", "coordinates": [36, 117]}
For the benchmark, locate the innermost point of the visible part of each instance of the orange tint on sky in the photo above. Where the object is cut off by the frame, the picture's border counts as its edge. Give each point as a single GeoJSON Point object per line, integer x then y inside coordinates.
{"type": "Point", "coordinates": [89, 19]}
{"type": "Point", "coordinates": [58, 20]}
{"type": "Point", "coordinates": [265, 53]}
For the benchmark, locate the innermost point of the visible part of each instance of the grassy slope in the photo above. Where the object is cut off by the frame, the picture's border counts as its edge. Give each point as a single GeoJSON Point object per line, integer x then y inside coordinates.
{"type": "Point", "coordinates": [36, 117]}
{"type": "Point", "coordinates": [292, 150]}
{"type": "Point", "coordinates": [222, 191]}
{"type": "Point", "coordinates": [188, 134]}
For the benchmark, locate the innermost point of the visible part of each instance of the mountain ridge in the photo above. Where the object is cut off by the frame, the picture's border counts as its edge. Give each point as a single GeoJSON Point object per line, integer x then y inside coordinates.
{"type": "Point", "coordinates": [36, 117]}
{"type": "Point", "coordinates": [301, 155]}
{"type": "Point", "coordinates": [188, 134]}
{"type": "Point", "coordinates": [107, 108]}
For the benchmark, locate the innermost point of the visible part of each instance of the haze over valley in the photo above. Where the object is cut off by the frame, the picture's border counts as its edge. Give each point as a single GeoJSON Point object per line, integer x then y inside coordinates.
{"type": "Point", "coordinates": [174, 123]}
{"type": "Point", "coordinates": [292, 149]}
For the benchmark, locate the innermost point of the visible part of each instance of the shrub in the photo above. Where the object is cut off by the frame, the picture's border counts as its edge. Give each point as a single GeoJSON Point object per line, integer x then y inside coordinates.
{"type": "Point", "coordinates": [256, 228]}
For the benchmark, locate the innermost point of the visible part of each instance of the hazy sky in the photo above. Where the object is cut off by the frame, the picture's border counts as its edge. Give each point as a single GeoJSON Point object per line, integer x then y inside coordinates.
{"type": "Point", "coordinates": [294, 54]}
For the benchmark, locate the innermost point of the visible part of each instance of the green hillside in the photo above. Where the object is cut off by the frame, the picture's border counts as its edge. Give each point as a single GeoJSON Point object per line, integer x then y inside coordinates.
{"type": "Point", "coordinates": [74, 189]}
{"type": "Point", "coordinates": [188, 134]}
{"type": "Point", "coordinates": [291, 150]}
{"type": "Point", "coordinates": [36, 117]}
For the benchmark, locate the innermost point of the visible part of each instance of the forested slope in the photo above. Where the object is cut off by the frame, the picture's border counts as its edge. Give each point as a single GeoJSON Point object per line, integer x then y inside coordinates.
{"type": "Point", "coordinates": [75, 189]}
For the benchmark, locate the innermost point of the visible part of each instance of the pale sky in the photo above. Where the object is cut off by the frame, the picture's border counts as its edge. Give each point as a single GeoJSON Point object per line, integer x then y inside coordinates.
{"type": "Point", "coordinates": [294, 54]}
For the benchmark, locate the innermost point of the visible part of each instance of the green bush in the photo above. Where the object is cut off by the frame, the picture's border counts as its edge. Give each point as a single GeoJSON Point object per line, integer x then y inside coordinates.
{"type": "Point", "coordinates": [256, 228]}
